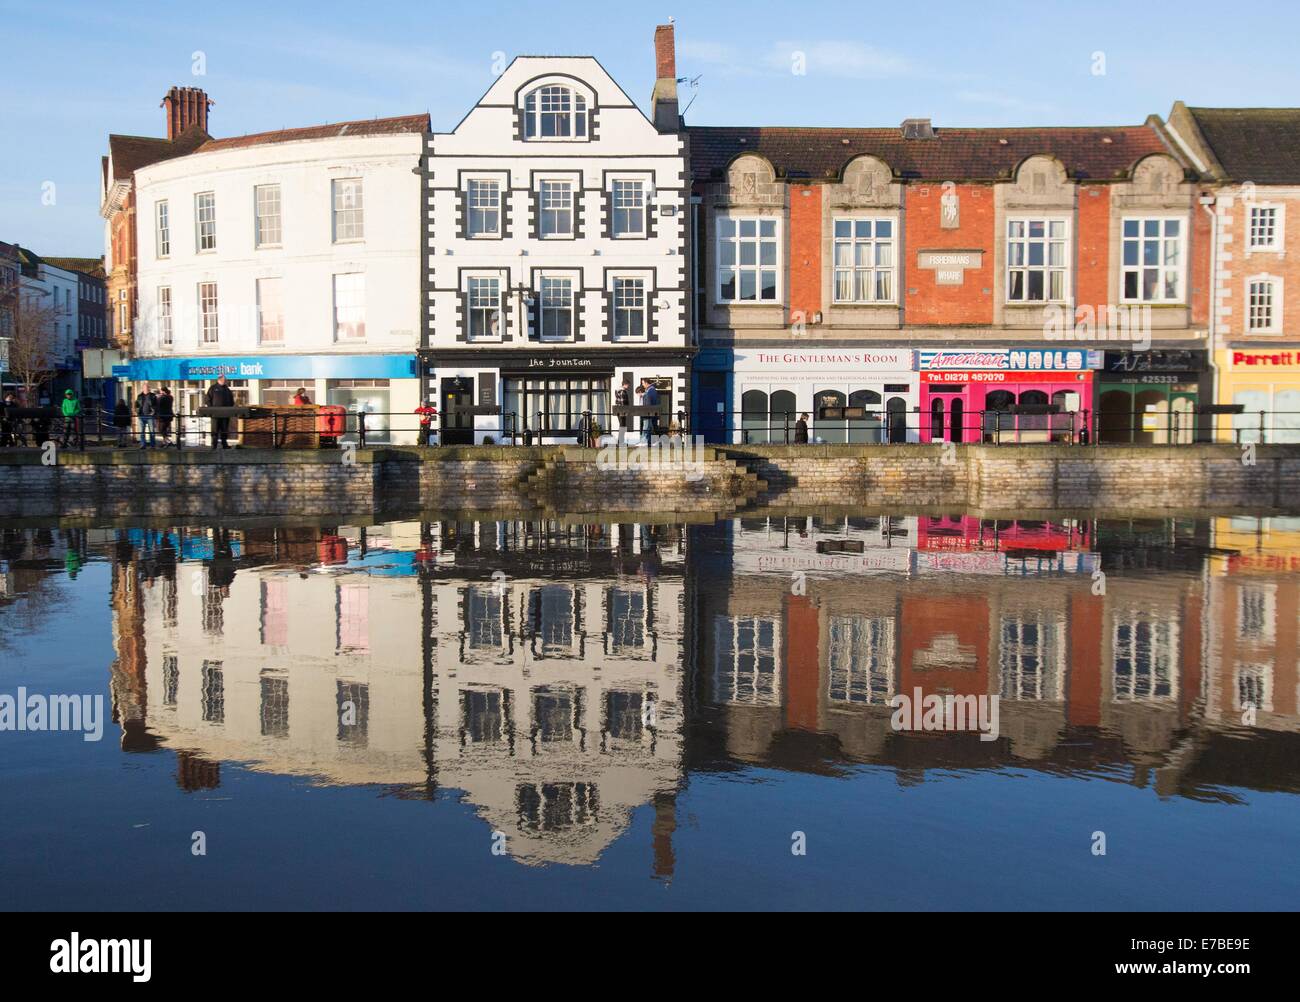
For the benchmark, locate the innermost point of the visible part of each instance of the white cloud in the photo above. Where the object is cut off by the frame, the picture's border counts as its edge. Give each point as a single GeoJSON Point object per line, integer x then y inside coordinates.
{"type": "Point", "coordinates": [834, 58]}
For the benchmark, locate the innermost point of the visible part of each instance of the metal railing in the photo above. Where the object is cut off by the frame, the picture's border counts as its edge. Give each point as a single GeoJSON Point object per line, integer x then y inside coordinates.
{"type": "Point", "coordinates": [99, 428]}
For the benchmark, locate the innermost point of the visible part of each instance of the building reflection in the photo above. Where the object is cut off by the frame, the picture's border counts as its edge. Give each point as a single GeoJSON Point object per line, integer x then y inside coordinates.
{"type": "Point", "coordinates": [559, 677]}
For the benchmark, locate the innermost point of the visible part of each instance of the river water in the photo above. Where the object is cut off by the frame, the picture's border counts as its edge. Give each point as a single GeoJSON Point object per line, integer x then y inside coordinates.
{"type": "Point", "coordinates": [550, 715]}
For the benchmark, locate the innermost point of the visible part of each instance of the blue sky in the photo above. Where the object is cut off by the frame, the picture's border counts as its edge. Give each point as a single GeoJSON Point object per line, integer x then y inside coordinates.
{"type": "Point", "coordinates": [74, 72]}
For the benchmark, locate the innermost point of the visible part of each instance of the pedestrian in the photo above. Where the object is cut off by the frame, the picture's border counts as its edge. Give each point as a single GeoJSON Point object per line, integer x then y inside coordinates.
{"type": "Point", "coordinates": [7, 436]}
{"type": "Point", "coordinates": [427, 411]}
{"type": "Point", "coordinates": [801, 430]}
{"type": "Point", "coordinates": [122, 421]}
{"type": "Point", "coordinates": [300, 399]}
{"type": "Point", "coordinates": [220, 395]}
{"type": "Point", "coordinates": [623, 398]}
{"type": "Point", "coordinates": [165, 410]}
{"type": "Point", "coordinates": [650, 425]}
{"type": "Point", "coordinates": [146, 409]}
{"type": "Point", "coordinates": [70, 409]}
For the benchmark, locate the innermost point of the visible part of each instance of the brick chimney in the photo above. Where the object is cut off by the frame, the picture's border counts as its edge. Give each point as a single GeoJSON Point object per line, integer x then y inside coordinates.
{"type": "Point", "coordinates": [663, 103]}
{"type": "Point", "coordinates": [187, 108]}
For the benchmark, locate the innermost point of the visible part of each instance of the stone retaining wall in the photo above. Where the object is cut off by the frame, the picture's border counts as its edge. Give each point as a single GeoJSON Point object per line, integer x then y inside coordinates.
{"type": "Point", "coordinates": [568, 480]}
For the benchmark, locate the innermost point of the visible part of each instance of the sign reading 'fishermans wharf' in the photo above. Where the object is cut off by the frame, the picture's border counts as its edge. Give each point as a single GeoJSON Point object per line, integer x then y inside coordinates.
{"type": "Point", "coordinates": [950, 266]}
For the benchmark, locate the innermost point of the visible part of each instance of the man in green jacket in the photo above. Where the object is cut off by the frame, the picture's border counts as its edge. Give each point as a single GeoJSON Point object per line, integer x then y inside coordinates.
{"type": "Point", "coordinates": [71, 408]}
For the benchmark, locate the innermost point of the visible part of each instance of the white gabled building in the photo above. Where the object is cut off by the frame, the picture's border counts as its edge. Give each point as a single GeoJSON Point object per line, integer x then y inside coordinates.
{"type": "Point", "coordinates": [556, 251]}
{"type": "Point", "coordinates": [284, 260]}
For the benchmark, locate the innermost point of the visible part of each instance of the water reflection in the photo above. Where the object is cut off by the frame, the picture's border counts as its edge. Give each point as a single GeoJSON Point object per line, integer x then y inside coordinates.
{"type": "Point", "coordinates": [559, 676]}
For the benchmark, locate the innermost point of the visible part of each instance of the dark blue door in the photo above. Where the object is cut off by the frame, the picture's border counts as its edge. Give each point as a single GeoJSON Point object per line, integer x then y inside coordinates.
{"type": "Point", "coordinates": [710, 406]}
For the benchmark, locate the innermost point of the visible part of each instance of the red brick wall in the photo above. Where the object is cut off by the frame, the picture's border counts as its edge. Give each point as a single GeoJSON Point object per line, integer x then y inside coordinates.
{"type": "Point", "coordinates": [1198, 278]}
{"type": "Point", "coordinates": [805, 250]}
{"type": "Point", "coordinates": [967, 303]}
{"type": "Point", "coordinates": [1093, 283]}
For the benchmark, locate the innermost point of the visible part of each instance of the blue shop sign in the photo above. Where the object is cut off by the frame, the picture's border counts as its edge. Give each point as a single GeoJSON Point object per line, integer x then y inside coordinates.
{"type": "Point", "coordinates": [269, 367]}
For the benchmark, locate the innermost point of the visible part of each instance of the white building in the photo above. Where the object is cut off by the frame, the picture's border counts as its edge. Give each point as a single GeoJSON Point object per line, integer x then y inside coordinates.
{"type": "Point", "coordinates": [54, 294]}
{"type": "Point", "coordinates": [557, 255]}
{"type": "Point", "coordinates": [285, 260]}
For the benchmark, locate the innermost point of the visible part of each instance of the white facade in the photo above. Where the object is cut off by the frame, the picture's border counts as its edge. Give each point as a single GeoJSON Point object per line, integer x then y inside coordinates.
{"type": "Point", "coordinates": [556, 237]}
{"type": "Point", "coordinates": [286, 262]}
{"type": "Point", "coordinates": [58, 291]}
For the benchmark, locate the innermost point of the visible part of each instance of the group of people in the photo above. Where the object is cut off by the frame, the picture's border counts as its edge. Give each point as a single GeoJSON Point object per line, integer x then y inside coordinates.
{"type": "Point", "coordinates": [647, 395]}
{"type": "Point", "coordinates": [16, 427]}
{"type": "Point", "coordinates": [155, 410]}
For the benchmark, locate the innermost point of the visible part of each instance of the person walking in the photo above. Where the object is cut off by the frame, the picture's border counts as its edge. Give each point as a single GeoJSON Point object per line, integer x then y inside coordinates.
{"type": "Point", "coordinates": [70, 409]}
{"type": "Point", "coordinates": [427, 411]}
{"type": "Point", "coordinates": [220, 395]}
{"type": "Point", "coordinates": [122, 421]}
{"type": "Point", "coordinates": [146, 410]}
{"type": "Point", "coordinates": [165, 411]}
{"type": "Point", "coordinates": [801, 430]}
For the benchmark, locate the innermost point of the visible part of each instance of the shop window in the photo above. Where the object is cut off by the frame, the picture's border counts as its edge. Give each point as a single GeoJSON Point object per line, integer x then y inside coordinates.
{"type": "Point", "coordinates": [896, 416]}
{"type": "Point", "coordinates": [998, 419]}
{"type": "Point", "coordinates": [830, 430]}
{"type": "Point", "coordinates": [1246, 426]}
{"type": "Point", "coordinates": [369, 396]}
{"type": "Point", "coordinates": [754, 417]}
{"type": "Point", "coordinates": [784, 416]}
{"type": "Point", "coordinates": [936, 419]}
{"type": "Point", "coordinates": [1286, 417]}
{"type": "Point", "coordinates": [1033, 427]}
{"type": "Point", "coordinates": [871, 428]}
{"type": "Point", "coordinates": [555, 406]}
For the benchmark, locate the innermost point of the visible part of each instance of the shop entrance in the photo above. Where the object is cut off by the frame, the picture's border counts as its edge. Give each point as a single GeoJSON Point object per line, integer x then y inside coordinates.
{"type": "Point", "coordinates": [1142, 414]}
{"type": "Point", "coordinates": [456, 423]}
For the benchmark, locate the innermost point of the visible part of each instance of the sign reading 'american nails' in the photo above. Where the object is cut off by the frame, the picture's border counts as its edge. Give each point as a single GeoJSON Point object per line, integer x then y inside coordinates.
{"type": "Point", "coordinates": [1010, 359]}
{"type": "Point", "coordinates": [949, 266]}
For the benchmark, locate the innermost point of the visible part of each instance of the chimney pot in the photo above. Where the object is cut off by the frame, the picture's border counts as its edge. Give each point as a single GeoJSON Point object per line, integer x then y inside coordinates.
{"type": "Point", "coordinates": [186, 108]}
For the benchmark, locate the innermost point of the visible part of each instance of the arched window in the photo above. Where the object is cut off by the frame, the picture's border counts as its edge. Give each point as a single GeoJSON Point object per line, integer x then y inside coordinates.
{"type": "Point", "coordinates": [554, 111]}
{"type": "Point", "coordinates": [783, 404]}
{"type": "Point", "coordinates": [830, 429]}
{"type": "Point", "coordinates": [867, 429]}
{"type": "Point", "coordinates": [753, 417]}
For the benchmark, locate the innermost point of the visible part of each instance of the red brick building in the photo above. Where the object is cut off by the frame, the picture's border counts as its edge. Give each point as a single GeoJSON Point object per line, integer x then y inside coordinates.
{"type": "Point", "coordinates": [186, 110]}
{"type": "Point", "coordinates": [920, 283]}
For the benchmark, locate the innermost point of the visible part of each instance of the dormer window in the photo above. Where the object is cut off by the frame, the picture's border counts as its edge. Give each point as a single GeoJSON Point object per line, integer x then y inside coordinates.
{"type": "Point", "coordinates": [554, 111]}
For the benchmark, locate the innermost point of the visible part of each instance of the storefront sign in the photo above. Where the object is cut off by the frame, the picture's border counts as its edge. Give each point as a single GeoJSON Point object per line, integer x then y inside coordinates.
{"type": "Point", "coordinates": [269, 367]}
{"type": "Point", "coordinates": [977, 376]}
{"type": "Point", "coordinates": [1011, 359]}
{"type": "Point", "coordinates": [1167, 360]}
{"type": "Point", "coordinates": [884, 360]}
{"type": "Point", "coordinates": [949, 266]}
{"type": "Point", "coordinates": [1265, 360]}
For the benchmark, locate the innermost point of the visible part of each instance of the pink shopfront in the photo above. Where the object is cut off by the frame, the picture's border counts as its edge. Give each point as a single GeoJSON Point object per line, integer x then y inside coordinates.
{"type": "Point", "coordinates": [1005, 395]}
